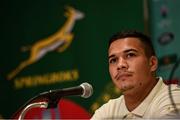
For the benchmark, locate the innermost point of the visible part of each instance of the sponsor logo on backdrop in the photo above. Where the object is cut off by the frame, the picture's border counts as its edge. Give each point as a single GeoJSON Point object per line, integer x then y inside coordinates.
{"type": "Point", "coordinates": [46, 79]}
{"type": "Point", "coordinates": [60, 41]}
{"type": "Point", "coordinates": [166, 38]}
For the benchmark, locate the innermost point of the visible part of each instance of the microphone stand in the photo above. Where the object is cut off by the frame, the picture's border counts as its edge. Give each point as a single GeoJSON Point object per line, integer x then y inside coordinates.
{"type": "Point", "coordinates": [32, 105]}
{"type": "Point", "coordinates": [50, 101]}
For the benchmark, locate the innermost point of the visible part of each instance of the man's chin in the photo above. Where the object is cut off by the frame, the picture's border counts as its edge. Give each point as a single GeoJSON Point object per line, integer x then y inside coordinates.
{"type": "Point", "coordinates": [125, 90]}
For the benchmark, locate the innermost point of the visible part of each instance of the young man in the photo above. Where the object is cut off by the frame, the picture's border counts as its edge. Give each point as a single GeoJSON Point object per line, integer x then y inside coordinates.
{"type": "Point", "coordinates": [132, 66]}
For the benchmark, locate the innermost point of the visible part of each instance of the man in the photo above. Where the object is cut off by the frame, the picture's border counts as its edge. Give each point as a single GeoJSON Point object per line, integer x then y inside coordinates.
{"type": "Point", "coordinates": [132, 66]}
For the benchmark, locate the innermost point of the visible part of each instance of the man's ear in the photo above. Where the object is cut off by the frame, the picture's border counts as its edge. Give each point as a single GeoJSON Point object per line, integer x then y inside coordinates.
{"type": "Point", "coordinates": [153, 63]}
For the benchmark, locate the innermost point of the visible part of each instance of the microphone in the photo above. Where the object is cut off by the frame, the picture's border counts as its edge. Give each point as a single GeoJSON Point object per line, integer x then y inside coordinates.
{"type": "Point", "coordinates": [84, 90]}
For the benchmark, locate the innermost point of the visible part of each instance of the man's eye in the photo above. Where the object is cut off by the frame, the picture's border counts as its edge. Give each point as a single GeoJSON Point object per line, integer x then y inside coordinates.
{"type": "Point", "coordinates": [112, 60]}
{"type": "Point", "coordinates": [130, 55]}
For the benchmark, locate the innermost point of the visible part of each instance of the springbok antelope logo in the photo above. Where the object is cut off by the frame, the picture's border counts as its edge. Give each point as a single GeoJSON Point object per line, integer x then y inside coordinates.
{"type": "Point", "coordinates": [58, 41]}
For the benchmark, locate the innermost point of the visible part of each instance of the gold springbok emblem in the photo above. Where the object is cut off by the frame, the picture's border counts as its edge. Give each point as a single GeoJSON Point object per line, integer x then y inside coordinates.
{"type": "Point", "coordinates": [59, 40]}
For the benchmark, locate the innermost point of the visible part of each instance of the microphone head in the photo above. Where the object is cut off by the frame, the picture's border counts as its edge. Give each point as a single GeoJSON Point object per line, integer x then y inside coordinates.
{"type": "Point", "coordinates": [87, 90]}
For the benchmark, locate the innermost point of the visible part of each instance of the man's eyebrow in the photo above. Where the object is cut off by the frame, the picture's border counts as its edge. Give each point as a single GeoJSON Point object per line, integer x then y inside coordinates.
{"type": "Point", "coordinates": [126, 51]}
{"type": "Point", "coordinates": [111, 56]}
{"type": "Point", "coordinates": [129, 50]}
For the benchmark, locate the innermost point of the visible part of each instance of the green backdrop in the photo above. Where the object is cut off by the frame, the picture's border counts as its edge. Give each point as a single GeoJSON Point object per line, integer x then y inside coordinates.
{"type": "Point", "coordinates": [165, 27]}
{"type": "Point", "coordinates": [27, 24]}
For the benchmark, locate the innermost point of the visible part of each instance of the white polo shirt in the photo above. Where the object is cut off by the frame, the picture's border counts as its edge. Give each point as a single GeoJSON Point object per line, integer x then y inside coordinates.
{"type": "Point", "coordinates": [156, 105]}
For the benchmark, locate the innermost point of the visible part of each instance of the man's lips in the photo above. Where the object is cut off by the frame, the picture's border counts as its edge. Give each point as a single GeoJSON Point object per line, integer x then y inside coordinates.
{"type": "Point", "coordinates": [121, 75]}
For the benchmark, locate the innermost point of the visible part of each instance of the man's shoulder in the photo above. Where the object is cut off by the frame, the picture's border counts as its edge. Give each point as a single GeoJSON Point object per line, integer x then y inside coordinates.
{"type": "Point", "coordinates": [119, 99]}
{"type": "Point", "coordinates": [166, 100]}
{"type": "Point", "coordinates": [114, 102]}
{"type": "Point", "coordinates": [168, 92]}
{"type": "Point", "coordinates": [170, 88]}
{"type": "Point", "coordinates": [109, 109]}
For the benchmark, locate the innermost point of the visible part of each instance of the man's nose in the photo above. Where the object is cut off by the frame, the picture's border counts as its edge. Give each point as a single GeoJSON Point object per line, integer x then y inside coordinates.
{"type": "Point", "coordinates": [122, 64]}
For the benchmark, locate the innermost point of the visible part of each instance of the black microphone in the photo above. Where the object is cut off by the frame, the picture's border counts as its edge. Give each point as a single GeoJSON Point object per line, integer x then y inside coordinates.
{"type": "Point", "coordinates": [84, 90]}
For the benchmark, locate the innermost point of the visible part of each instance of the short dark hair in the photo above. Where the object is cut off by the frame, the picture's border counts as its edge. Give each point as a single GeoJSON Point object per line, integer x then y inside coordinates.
{"type": "Point", "coordinates": [148, 46]}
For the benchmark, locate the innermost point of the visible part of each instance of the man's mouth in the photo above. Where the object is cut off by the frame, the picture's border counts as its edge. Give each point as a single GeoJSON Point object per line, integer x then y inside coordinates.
{"type": "Point", "coordinates": [123, 75]}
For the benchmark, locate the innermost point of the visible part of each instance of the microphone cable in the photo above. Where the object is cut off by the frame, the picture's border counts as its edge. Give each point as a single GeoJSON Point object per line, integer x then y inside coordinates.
{"type": "Point", "coordinates": [169, 86]}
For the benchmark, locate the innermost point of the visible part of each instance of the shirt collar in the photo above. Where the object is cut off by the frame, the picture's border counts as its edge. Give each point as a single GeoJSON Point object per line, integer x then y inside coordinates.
{"type": "Point", "coordinates": [140, 110]}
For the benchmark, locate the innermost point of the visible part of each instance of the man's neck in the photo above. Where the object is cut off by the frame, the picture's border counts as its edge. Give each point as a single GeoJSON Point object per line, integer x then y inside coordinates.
{"type": "Point", "coordinates": [133, 100]}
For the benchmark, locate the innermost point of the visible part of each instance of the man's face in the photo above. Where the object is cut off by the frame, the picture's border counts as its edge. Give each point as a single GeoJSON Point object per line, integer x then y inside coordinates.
{"type": "Point", "coordinates": [129, 67]}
